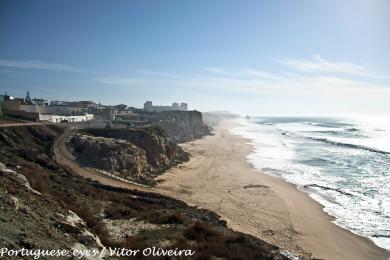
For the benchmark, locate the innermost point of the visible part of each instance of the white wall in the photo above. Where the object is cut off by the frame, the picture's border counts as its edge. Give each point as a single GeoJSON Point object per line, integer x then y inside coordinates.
{"type": "Point", "coordinates": [70, 119]}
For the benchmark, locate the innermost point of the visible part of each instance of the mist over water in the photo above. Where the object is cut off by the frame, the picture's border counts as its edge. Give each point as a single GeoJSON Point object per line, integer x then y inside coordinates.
{"type": "Point", "coordinates": [344, 163]}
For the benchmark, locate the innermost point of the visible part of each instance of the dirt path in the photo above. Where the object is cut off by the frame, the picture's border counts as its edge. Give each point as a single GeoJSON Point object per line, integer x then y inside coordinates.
{"type": "Point", "coordinates": [66, 159]}
{"type": "Point", "coordinates": [10, 124]}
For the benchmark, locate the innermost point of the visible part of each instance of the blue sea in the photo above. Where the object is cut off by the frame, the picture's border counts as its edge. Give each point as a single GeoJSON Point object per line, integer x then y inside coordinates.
{"type": "Point", "coordinates": [343, 163]}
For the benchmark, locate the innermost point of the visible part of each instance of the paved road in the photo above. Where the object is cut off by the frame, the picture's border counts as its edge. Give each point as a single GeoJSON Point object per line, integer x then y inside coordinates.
{"type": "Point", "coordinates": [66, 159]}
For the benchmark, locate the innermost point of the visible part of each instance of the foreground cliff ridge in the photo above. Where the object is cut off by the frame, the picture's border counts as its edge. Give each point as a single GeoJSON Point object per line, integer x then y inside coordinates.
{"type": "Point", "coordinates": [53, 207]}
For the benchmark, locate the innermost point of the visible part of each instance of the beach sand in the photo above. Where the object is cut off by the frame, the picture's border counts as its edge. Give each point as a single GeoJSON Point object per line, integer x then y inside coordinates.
{"type": "Point", "coordinates": [219, 178]}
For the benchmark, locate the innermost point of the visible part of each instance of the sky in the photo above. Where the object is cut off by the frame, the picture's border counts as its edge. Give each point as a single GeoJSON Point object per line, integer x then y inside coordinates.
{"type": "Point", "coordinates": [280, 57]}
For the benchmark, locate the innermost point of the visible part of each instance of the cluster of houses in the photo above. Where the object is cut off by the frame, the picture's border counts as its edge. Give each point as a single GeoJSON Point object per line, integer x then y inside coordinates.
{"type": "Point", "coordinates": [38, 109]}
{"type": "Point", "coordinates": [44, 110]}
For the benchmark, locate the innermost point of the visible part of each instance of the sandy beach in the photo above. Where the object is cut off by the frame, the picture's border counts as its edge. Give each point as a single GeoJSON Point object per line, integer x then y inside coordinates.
{"type": "Point", "coordinates": [219, 178]}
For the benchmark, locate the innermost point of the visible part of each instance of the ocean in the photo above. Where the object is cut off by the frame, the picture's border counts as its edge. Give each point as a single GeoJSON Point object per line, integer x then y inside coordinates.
{"type": "Point", "coordinates": [343, 163]}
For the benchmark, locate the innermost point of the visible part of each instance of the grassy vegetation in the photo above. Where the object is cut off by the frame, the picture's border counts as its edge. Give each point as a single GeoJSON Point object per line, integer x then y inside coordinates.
{"type": "Point", "coordinates": [114, 211]}
{"type": "Point", "coordinates": [163, 216]}
{"type": "Point", "coordinates": [10, 118]}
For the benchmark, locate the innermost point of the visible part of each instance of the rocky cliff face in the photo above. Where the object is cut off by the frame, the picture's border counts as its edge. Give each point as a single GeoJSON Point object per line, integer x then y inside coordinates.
{"type": "Point", "coordinates": [31, 220]}
{"type": "Point", "coordinates": [112, 155]}
{"type": "Point", "coordinates": [181, 126]}
{"type": "Point", "coordinates": [138, 154]}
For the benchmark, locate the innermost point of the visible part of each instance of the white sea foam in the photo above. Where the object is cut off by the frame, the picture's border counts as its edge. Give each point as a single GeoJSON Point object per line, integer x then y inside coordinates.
{"type": "Point", "coordinates": [349, 175]}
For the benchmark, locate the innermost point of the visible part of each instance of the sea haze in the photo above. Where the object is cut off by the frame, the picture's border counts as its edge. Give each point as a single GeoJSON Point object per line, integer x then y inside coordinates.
{"type": "Point", "coordinates": [344, 163]}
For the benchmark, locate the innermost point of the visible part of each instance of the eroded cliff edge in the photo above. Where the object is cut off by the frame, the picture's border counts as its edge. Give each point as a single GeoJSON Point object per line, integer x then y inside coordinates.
{"type": "Point", "coordinates": [181, 126]}
{"type": "Point", "coordinates": [135, 154]}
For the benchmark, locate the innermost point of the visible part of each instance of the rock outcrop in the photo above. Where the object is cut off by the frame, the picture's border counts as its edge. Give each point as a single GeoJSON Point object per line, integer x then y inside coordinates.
{"type": "Point", "coordinates": [160, 150]}
{"type": "Point", "coordinates": [31, 220]}
{"type": "Point", "coordinates": [113, 156]}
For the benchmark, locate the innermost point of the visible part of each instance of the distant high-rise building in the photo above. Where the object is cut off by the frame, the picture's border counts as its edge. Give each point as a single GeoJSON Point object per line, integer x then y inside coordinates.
{"type": "Point", "coordinates": [184, 106]}
{"type": "Point", "coordinates": [175, 106]}
{"type": "Point", "coordinates": [148, 105]}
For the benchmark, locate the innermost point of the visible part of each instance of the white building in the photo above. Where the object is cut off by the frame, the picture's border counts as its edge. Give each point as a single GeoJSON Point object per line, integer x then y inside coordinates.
{"type": "Point", "coordinates": [71, 119]}
{"type": "Point", "coordinates": [148, 106]}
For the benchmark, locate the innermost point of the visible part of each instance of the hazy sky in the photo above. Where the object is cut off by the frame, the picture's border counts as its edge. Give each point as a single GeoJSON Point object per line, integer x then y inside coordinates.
{"type": "Point", "coordinates": [252, 57]}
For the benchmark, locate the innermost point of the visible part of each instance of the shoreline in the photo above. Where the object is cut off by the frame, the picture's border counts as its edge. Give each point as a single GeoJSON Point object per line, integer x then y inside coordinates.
{"type": "Point", "coordinates": [218, 177]}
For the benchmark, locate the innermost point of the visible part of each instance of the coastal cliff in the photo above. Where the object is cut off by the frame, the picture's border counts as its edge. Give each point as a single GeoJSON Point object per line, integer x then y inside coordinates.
{"type": "Point", "coordinates": [46, 205]}
{"type": "Point", "coordinates": [137, 154]}
{"type": "Point", "coordinates": [181, 126]}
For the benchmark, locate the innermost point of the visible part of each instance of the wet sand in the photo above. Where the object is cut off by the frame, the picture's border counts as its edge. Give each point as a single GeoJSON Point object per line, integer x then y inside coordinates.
{"type": "Point", "coordinates": [219, 178]}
